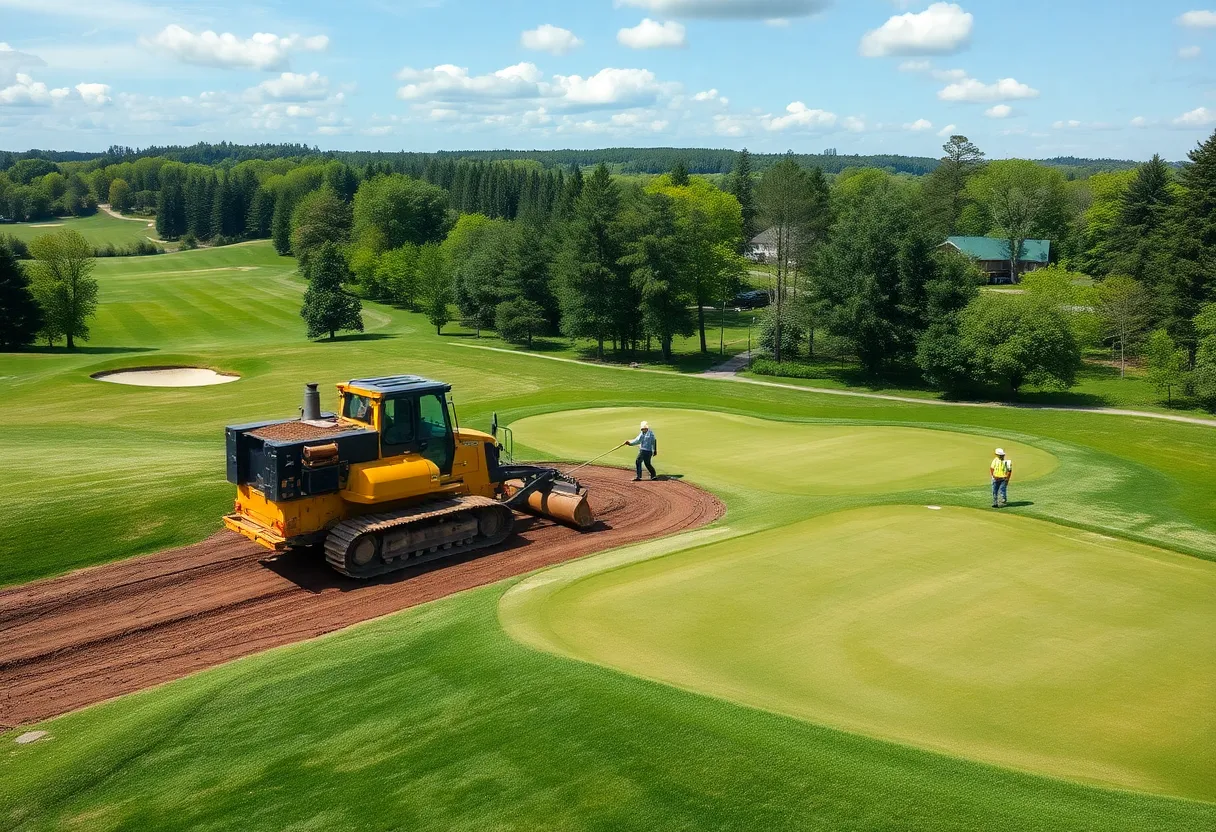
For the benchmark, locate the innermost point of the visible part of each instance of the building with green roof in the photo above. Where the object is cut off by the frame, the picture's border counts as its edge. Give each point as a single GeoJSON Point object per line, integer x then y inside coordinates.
{"type": "Point", "coordinates": [992, 255]}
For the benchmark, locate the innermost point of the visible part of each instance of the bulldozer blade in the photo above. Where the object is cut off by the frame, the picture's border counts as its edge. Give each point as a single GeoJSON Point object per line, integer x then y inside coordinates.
{"type": "Point", "coordinates": [567, 507]}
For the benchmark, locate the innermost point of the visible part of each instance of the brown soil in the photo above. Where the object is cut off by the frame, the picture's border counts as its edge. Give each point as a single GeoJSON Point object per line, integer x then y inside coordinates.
{"type": "Point", "coordinates": [97, 633]}
{"type": "Point", "coordinates": [296, 431]}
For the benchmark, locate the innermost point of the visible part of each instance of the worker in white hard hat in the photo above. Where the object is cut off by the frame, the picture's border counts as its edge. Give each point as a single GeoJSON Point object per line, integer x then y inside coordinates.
{"type": "Point", "coordinates": [648, 448]}
{"type": "Point", "coordinates": [1001, 470]}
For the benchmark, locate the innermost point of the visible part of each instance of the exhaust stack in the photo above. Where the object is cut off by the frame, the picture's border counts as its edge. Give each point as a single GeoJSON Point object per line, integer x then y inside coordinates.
{"type": "Point", "coordinates": [311, 411]}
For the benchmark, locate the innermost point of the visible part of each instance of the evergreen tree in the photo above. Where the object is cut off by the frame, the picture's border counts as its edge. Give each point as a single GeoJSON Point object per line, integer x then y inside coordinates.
{"type": "Point", "coordinates": [1135, 242]}
{"type": "Point", "coordinates": [1190, 281]}
{"type": "Point", "coordinates": [656, 257]}
{"type": "Point", "coordinates": [587, 270]}
{"type": "Point", "coordinates": [741, 185]}
{"type": "Point", "coordinates": [518, 320]}
{"type": "Point", "coordinates": [171, 203]}
{"type": "Point", "coordinates": [328, 307]}
{"type": "Point", "coordinates": [572, 188]}
{"type": "Point", "coordinates": [945, 188]}
{"type": "Point", "coordinates": [679, 174]}
{"type": "Point", "coordinates": [260, 215]}
{"type": "Point", "coordinates": [20, 316]}
{"type": "Point", "coordinates": [280, 222]}
{"type": "Point", "coordinates": [341, 179]}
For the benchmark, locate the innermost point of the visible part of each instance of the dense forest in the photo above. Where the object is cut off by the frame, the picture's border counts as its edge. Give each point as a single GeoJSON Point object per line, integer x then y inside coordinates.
{"type": "Point", "coordinates": [530, 247]}
{"type": "Point", "coordinates": [653, 160]}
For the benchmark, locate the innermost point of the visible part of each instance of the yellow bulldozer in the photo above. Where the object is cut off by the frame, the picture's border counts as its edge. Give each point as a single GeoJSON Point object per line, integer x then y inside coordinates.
{"type": "Point", "coordinates": [388, 481]}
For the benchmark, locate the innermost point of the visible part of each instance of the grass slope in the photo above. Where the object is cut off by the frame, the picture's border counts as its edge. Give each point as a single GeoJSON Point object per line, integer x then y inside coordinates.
{"type": "Point", "coordinates": [980, 634]}
{"type": "Point", "coordinates": [435, 718]}
{"type": "Point", "coordinates": [99, 229]}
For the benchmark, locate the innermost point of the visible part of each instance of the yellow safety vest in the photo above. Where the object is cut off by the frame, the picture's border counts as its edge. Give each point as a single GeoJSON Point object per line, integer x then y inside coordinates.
{"type": "Point", "coordinates": [1001, 468]}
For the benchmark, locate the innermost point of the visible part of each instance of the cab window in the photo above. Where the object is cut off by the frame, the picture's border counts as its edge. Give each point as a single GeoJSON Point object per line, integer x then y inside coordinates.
{"type": "Point", "coordinates": [433, 423]}
{"type": "Point", "coordinates": [357, 407]}
{"type": "Point", "coordinates": [397, 433]}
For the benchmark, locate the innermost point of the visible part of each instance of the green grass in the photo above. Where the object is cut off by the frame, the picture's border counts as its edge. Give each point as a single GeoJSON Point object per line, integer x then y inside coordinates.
{"type": "Point", "coordinates": [984, 635]}
{"type": "Point", "coordinates": [1098, 384]}
{"type": "Point", "coordinates": [99, 229]}
{"type": "Point", "coordinates": [725, 450]}
{"type": "Point", "coordinates": [435, 718]}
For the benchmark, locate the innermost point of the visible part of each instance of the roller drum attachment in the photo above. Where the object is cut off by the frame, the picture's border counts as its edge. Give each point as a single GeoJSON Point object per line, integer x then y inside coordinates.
{"type": "Point", "coordinates": [564, 502]}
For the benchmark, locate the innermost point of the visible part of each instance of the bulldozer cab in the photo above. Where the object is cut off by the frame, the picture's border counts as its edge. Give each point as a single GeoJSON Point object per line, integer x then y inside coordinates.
{"type": "Point", "coordinates": [410, 414]}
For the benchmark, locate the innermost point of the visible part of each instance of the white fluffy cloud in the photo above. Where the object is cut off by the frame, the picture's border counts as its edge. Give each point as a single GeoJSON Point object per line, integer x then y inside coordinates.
{"type": "Point", "coordinates": [95, 95]}
{"type": "Point", "coordinates": [1188, 53]}
{"type": "Point", "coordinates": [448, 82]}
{"type": "Point", "coordinates": [25, 91]}
{"type": "Point", "coordinates": [549, 38]}
{"type": "Point", "coordinates": [948, 130]}
{"type": "Point", "coordinates": [293, 86]}
{"type": "Point", "coordinates": [1198, 117]}
{"type": "Point", "coordinates": [941, 29]}
{"type": "Point", "coordinates": [263, 51]}
{"type": "Point", "coordinates": [650, 34]}
{"type": "Point", "coordinates": [1199, 19]}
{"type": "Point", "coordinates": [798, 115]}
{"type": "Point", "coordinates": [608, 86]}
{"type": "Point", "coordinates": [919, 126]}
{"type": "Point", "coordinates": [731, 9]}
{"type": "Point", "coordinates": [711, 95]}
{"type": "Point", "coordinates": [969, 89]}
{"type": "Point", "coordinates": [999, 111]}
{"type": "Point", "coordinates": [447, 85]}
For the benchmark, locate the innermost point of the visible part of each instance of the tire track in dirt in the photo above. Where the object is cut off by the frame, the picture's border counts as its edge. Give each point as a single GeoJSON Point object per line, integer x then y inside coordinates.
{"type": "Point", "coordinates": [102, 632]}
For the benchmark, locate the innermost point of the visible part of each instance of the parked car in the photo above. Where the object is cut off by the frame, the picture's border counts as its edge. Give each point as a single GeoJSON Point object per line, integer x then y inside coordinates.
{"type": "Point", "coordinates": [755, 299]}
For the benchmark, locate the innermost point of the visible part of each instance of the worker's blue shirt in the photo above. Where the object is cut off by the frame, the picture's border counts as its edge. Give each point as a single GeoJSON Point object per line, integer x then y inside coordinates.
{"type": "Point", "coordinates": [646, 440]}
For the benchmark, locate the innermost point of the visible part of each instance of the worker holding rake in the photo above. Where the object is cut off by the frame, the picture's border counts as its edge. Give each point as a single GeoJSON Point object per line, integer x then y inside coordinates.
{"type": "Point", "coordinates": [1001, 469]}
{"type": "Point", "coordinates": [648, 448]}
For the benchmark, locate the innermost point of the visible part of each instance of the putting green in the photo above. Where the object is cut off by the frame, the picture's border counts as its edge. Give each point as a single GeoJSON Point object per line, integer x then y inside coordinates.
{"type": "Point", "coordinates": [784, 457]}
{"type": "Point", "coordinates": [988, 636]}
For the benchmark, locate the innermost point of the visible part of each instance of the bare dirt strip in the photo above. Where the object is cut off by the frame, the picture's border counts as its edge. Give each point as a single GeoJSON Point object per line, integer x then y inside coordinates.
{"type": "Point", "coordinates": [101, 632]}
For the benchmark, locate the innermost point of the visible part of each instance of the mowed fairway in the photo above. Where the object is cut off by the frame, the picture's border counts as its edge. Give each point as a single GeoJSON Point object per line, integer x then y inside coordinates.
{"type": "Point", "coordinates": [993, 637]}
{"type": "Point", "coordinates": [436, 718]}
{"type": "Point", "coordinates": [100, 229]}
{"type": "Point", "coordinates": [786, 457]}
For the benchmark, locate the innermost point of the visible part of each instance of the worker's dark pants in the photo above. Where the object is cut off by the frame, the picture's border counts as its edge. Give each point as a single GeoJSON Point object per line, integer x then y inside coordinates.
{"type": "Point", "coordinates": [644, 459]}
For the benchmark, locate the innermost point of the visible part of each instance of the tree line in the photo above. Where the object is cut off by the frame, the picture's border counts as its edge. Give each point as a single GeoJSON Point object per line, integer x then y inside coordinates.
{"type": "Point", "coordinates": [532, 250]}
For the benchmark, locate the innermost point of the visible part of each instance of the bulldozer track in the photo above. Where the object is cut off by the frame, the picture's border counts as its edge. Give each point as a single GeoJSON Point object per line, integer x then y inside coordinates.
{"type": "Point", "coordinates": [341, 539]}
{"type": "Point", "coordinates": [97, 633]}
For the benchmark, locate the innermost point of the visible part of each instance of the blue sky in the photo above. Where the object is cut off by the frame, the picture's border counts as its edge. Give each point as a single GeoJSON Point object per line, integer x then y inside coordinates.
{"type": "Point", "coordinates": [1029, 78]}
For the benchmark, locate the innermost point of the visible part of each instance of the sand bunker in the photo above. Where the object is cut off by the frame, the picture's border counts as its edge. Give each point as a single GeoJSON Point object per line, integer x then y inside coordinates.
{"type": "Point", "coordinates": [166, 377]}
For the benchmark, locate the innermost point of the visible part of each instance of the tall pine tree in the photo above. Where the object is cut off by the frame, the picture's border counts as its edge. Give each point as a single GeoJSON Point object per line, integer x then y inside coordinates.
{"type": "Point", "coordinates": [588, 270]}
{"type": "Point", "coordinates": [328, 307]}
{"type": "Point", "coordinates": [741, 185]}
{"type": "Point", "coordinates": [20, 315]}
{"type": "Point", "coordinates": [1191, 280]}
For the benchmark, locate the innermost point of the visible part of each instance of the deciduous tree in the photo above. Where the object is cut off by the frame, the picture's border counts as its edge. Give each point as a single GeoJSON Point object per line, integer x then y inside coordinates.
{"type": "Point", "coordinates": [64, 285]}
{"type": "Point", "coordinates": [434, 285]}
{"type": "Point", "coordinates": [1123, 308]}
